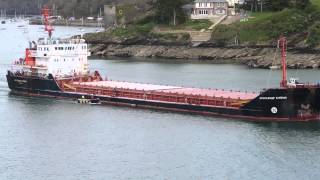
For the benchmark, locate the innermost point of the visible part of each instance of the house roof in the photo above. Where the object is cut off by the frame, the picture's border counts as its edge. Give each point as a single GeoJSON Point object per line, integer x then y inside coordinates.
{"type": "Point", "coordinates": [210, 1]}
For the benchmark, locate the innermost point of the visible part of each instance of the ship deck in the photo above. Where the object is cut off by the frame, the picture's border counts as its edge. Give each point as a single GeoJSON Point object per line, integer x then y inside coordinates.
{"type": "Point", "coordinates": [151, 88]}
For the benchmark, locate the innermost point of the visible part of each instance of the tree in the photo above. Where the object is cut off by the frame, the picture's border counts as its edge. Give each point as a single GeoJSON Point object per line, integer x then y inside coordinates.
{"type": "Point", "coordinates": [168, 11]}
{"type": "Point", "coordinates": [299, 4]}
{"type": "Point", "coordinates": [18, 7]}
{"type": "Point", "coordinates": [278, 5]}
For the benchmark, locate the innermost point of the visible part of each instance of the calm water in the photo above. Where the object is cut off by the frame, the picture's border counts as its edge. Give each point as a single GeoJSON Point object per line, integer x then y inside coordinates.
{"type": "Point", "coordinates": [50, 139]}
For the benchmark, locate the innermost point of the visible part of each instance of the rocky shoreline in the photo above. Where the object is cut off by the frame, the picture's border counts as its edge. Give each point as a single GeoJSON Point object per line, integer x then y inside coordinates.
{"type": "Point", "coordinates": [255, 57]}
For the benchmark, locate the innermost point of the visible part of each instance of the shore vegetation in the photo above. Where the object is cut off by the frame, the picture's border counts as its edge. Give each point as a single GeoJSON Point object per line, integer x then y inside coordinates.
{"type": "Point", "coordinates": [300, 25]}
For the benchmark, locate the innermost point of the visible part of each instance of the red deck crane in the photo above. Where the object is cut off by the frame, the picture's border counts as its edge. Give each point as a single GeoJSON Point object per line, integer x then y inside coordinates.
{"type": "Point", "coordinates": [46, 18]}
{"type": "Point", "coordinates": [283, 45]}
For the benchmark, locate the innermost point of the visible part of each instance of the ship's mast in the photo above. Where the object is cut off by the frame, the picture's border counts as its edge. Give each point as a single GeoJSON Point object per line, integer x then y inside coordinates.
{"type": "Point", "coordinates": [282, 43]}
{"type": "Point", "coordinates": [48, 27]}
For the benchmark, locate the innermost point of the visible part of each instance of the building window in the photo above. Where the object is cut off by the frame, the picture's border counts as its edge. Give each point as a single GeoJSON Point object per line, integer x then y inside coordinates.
{"type": "Point", "coordinates": [203, 12]}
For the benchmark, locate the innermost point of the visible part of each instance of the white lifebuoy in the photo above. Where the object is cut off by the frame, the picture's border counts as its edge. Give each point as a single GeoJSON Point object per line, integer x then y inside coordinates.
{"type": "Point", "coordinates": [274, 110]}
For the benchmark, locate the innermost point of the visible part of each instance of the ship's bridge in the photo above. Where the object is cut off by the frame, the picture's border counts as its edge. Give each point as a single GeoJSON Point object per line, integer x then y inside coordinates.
{"type": "Point", "coordinates": [47, 48]}
{"type": "Point", "coordinates": [56, 41]}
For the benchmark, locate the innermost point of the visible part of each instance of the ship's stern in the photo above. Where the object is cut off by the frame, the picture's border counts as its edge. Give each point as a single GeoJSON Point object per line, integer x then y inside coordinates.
{"type": "Point", "coordinates": [285, 104]}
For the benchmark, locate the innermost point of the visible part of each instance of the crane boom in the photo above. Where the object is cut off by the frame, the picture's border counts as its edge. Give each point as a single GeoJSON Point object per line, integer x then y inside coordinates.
{"type": "Point", "coordinates": [46, 20]}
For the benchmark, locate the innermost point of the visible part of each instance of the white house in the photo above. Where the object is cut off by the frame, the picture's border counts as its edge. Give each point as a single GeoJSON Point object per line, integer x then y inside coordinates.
{"type": "Point", "coordinates": [233, 2]}
{"type": "Point", "coordinates": [207, 9]}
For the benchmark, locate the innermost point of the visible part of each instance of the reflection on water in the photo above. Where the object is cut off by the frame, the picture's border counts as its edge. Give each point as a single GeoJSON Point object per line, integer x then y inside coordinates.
{"type": "Point", "coordinates": [44, 138]}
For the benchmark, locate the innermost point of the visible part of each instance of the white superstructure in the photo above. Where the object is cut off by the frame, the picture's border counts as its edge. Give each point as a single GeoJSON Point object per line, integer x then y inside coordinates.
{"type": "Point", "coordinates": [62, 57]}
{"type": "Point", "coordinates": [59, 57]}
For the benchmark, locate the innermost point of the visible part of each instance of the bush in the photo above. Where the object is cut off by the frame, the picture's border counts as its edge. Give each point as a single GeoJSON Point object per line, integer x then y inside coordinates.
{"type": "Point", "coordinates": [171, 36]}
{"type": "Point", "coordinates": [198, 24]}
{"type": "Point", "coordinates": [96, 37]}
{"type": "Point", "coordinates": [144, 29]}
{"type": "Point", "coordinates": [132, 30]}
{"type": "Point", "coordinates": [223, 34]}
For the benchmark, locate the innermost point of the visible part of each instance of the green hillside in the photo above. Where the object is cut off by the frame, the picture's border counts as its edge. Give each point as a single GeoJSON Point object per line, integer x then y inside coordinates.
{"type": "Point", "coordinates": [300, 26]}
{"type": "Point", "coordinates": [316, 2]}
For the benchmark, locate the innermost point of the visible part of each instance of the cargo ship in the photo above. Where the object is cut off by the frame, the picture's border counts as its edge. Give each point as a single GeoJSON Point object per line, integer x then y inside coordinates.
{"type": "Point", "coordinates": [59, 68]}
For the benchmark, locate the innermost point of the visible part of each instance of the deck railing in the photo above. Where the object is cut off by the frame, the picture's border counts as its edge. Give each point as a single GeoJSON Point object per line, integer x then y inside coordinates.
{"type": "Point", "coordinates": [162, 96]}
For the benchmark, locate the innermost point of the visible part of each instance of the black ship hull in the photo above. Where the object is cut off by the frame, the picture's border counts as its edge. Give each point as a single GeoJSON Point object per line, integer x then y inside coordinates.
{"type": "Point", "coordinates": [296, 104]}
